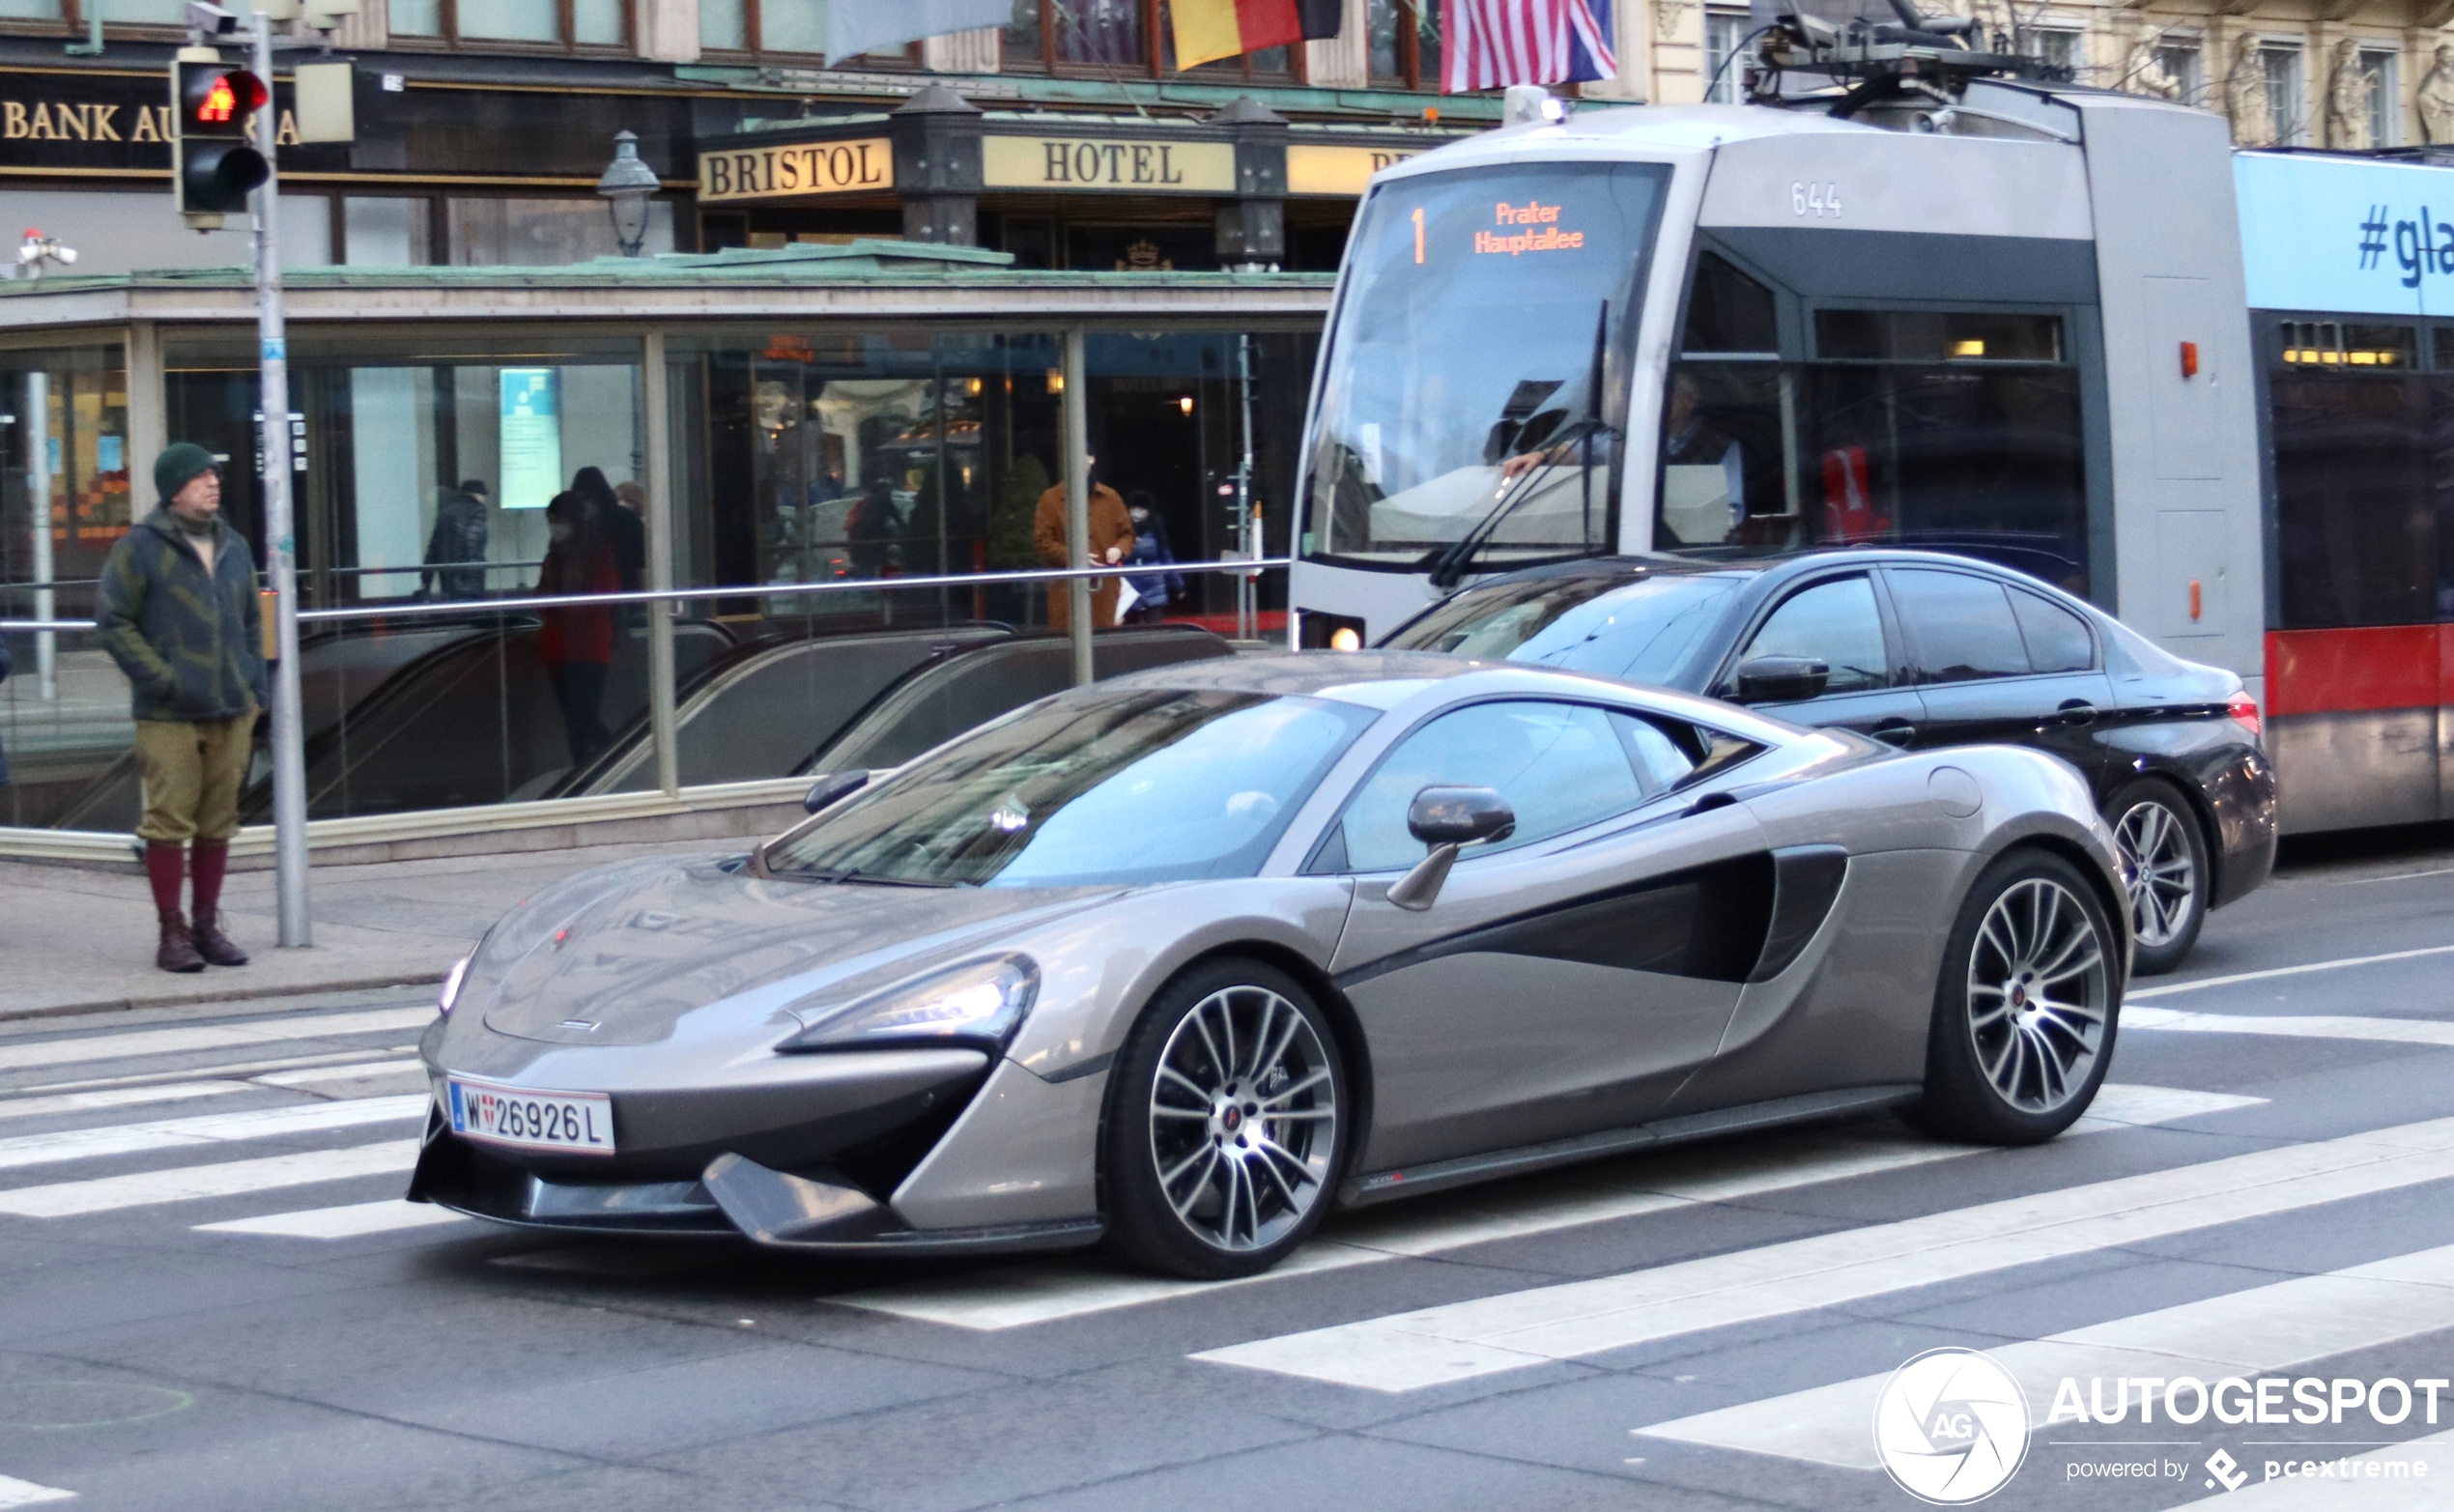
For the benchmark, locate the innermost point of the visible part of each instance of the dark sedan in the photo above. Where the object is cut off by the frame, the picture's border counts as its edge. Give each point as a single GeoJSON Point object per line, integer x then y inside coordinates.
{"type": "Point", "coordinates": [1919, 649]}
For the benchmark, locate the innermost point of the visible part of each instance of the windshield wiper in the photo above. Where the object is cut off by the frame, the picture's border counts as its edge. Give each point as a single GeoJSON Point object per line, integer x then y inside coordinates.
{"type": "Point", "coordinates": [1450, 564]}
{"type": "Point", "coordinates": [856, 875]}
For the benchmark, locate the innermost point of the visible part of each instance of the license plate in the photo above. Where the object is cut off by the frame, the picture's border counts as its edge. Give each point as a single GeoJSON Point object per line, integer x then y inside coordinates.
{"type": "Point", "coordinates": [581, 1122]}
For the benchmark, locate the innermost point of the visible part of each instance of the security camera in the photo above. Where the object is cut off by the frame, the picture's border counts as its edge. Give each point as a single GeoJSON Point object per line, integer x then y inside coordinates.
{"type": "Point", "coordinates": [211, 19]}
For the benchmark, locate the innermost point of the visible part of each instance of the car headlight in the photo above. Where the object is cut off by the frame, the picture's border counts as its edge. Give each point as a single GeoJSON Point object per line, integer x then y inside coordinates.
{"type": "Point", "coordinates": [450, 993]}
{"type": "Point", "coordinates": [980, 1003]}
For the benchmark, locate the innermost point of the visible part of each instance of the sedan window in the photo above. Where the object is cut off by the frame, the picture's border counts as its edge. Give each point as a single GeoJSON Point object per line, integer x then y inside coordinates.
{"type": "Point", "coordinates": [1560, 765]}
{"type": "Point", "coordinates": [1835, 622]}
{"type": "Point", "coordinates": [1960, 624]}
{"type": "Point", "coordinates": [2057, 640]}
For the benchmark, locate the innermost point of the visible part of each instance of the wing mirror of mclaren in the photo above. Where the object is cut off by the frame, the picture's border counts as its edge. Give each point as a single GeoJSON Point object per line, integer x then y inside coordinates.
{"type": "Point", "coordinates": [1783, 679]}
{"type": "Point", "coordinates": [1445, 818]}
{"type": "Point", "coordinates": [834, 787]}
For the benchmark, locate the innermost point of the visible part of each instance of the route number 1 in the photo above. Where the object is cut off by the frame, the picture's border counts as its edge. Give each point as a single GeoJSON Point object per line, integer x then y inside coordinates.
{"type": "Point", "coordinates": [1814, 199]}
{"type": "Point", "coordinates": [1418, 236]}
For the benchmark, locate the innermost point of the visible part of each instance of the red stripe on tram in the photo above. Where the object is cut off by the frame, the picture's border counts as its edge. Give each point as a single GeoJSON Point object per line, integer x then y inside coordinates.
{"type": "Point", "coordinates": [2381, 667]}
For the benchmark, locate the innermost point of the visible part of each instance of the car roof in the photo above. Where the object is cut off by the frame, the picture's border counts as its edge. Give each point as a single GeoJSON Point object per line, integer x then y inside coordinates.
{"type": "Point", "coordinates": [1650, 564]}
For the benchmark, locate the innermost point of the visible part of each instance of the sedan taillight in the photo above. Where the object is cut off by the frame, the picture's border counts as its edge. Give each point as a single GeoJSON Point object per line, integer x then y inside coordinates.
{"type": "Point", "coordinates": [2244, 711]}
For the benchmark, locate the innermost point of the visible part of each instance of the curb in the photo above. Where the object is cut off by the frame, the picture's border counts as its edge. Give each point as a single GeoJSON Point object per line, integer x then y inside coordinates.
{"type": "Point", "coordinates": [120, 1004]}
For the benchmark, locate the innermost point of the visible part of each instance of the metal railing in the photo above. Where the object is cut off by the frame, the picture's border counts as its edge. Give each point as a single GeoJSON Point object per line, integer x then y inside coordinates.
{"type": "Point", "coordinates": [433, 608]}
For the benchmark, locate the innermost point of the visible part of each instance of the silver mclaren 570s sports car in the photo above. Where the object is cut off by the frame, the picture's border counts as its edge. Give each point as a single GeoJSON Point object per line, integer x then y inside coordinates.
{"type": "Point", "coordinates": [1178, 961]}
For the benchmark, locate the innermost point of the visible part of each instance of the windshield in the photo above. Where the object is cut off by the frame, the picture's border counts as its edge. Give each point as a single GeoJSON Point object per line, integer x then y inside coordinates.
{"type": "Point", "coordinates": [1467, 337]}
{"type": "Point", "coordinates": [1641, 629]}
{"type": "Point", "coordinates": [1127, 786]}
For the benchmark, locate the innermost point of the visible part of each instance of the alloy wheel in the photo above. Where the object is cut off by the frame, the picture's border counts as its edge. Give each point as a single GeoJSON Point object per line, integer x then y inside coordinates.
{"type": "Point", "coordinates": [2039, 987]}
{"type": "Point", "coordinates": [1243, 1118]}
{"type": "Point", "coordinates": [2163, 875]}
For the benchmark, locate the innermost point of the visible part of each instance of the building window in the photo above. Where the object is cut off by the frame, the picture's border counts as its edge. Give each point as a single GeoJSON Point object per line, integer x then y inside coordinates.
{"type": "Point", "coordinates": [2384, 98]}
{"type": "Point", "coordinates": [774, 26]}
{"type": "Point", "coordinates": [2060, 46]}
{"type": "Point", "coordinates": [1404, 38]}
{"type": "Point", "coordinates": [525, 24]}
{"type": "Point", "coordinates": [2179, 60]}
{"type": "Point", "coordinates": [2287, 109]}
{"type": "Point", "coordinates": [1724, 32]}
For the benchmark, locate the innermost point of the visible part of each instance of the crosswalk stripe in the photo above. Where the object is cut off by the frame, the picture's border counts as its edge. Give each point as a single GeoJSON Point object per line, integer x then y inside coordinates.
{"type": "Point", "coordinates": [2324, 1026]}
{"type": "Point", "coordinates": [355, 1070]}
{"type": "Point", "coordinates": [86, 1144]}
{"type": "Point", "coordinates": [116, 1097]}
{"type": "Point", "coordinates": [224, 1070]}
{"type": "Point", "coordinates": [2270, 974]}
{"type": "Point", "coordinates": [2361, 1491]}
{"type": "Point", "coordinates": [188, 1183]}
{"type": "Point", "coordinates": [14, 1492]}
{"type": "Point", "coordinates": [1034, 1291]}
{"type": "Point", "coordinates": [1460, 1341]}
{"type": "Point", "coordinates": [2261, 1330]}
{"type": "Point", "coordinates": [353, 1222]}
{"type": "Point", "coordinates": [208, 1037]}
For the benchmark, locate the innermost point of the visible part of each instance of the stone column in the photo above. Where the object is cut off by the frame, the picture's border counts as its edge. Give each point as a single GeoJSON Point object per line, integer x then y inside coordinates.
{"type": "Point", "coordinates": [937, 135]}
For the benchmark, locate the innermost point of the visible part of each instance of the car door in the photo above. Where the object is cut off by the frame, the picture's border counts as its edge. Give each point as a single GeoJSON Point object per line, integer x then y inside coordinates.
{"type": "Point", "coordinates": [1567, 977]}
{"type": "Point", "coordinates": [1995, 662]}
{"type": "Point", "coordinates": [1840, 621]}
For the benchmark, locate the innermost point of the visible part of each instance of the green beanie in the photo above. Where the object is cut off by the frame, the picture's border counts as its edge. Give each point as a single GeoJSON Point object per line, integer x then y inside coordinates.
{"type": "Point", "coordinates": [180, 462]}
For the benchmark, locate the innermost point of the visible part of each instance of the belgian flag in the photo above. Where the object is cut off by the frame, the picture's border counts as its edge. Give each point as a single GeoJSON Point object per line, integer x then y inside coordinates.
{"type": "Point", "coordinates": [1212, 29]}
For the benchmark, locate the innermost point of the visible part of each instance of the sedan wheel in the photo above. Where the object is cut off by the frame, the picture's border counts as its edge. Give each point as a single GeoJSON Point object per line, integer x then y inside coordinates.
{"type": "Point", "coordinates": [2167, 866]}
{"type": "Point", "coordinates": [2025, 1012]}
{"type": "Point", "coordinates": [1225, 1126]}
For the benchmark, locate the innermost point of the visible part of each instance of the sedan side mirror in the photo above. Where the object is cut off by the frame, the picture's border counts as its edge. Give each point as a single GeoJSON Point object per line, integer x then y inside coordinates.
{"type": "Point", "coordinates": [1783, 679]}
{"type": "Point", "coordinates": [833, 787]}
{"type": "Point", "coordinates": [1445, 818]}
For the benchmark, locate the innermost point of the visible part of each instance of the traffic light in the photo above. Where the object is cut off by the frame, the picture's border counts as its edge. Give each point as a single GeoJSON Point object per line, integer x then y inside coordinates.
{"type": "Point", "coordinates": [214, 166]}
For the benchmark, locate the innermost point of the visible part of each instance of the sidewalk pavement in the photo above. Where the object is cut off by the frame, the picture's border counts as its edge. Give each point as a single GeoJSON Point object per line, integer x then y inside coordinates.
{"type": "Point", "coordinates": [74, 940]}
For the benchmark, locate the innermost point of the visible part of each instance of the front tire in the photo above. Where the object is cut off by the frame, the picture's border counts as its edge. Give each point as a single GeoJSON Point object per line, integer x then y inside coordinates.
{"type": "Point", "coordinates": [2025, 1007]}
{"type": "Point", "coordinates": [1226, 1124]}
{"type": "Point", "coordinates": [2166, 857]}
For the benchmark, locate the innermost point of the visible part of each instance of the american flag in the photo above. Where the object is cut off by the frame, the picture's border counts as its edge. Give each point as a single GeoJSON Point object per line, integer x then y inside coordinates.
{"type": "Point", "coordinates": [1494, 43]}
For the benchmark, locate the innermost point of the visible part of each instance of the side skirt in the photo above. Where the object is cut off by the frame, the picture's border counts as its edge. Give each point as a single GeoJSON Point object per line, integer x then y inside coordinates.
{"type": "Point", "coordinates": [1809, 1107]}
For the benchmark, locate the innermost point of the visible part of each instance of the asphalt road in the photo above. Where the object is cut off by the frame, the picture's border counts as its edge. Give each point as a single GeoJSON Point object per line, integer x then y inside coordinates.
{"type": "Point", "coordinates": [209, 1300]}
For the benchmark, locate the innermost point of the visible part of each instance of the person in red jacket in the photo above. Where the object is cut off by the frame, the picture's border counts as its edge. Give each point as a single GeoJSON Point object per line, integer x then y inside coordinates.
{"type": "Point", "coordinates": [576, 643]}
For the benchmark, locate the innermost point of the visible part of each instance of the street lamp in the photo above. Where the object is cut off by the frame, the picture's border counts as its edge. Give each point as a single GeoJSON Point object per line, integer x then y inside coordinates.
{"type": "Point", "coordinates": [627, 185]}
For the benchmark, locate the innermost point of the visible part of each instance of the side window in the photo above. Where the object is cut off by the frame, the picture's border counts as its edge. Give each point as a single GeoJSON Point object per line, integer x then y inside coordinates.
{"type": "Point", "coordinates": [1960, 627]}
{"type": "Point", "coordinates": [1560, 765]}
{"type": "Point", "coordinates": [1660, 762]}
{"type": "Point", "coordinates": [2057, 640]}
{"type": "Point", "coordinates": [1836, 621]}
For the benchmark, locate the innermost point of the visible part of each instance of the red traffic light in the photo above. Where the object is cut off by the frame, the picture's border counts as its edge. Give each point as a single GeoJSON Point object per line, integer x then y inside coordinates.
{"type": "Point", "coordinates": [214, 96]}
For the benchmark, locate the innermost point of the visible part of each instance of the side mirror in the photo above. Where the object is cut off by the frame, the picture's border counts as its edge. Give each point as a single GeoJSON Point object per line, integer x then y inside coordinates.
{"type": "Point", "coordinates": [1445, 818]}
{"type": "Point", "coordinates": [1783, 679]}
{"type": "Point", "coordinates": [1459, 815]}
{"type": "Point", "coordinates": [833, 787]}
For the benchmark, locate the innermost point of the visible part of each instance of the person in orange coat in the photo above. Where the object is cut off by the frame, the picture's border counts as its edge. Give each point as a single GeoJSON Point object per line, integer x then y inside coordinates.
{"type": "Point", "coordinates": [1111, 540]}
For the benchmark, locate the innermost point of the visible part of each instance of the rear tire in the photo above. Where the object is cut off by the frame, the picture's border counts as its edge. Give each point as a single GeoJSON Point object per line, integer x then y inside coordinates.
{"type": "Point", "coordinates": [2025, 1007]}
{"type": "Point", "coordinates": [2166, 854]}
{"type": "Point", "coordinates": [1226, 1125]}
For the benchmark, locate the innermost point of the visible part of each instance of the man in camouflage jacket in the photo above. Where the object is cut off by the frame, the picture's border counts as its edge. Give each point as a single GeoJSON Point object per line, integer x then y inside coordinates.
{"type": "Point", "coordinates": [177, 609]}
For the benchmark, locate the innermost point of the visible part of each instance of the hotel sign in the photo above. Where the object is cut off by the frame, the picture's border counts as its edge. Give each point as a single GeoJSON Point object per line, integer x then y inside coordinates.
{"type": "Point", "coordinates": [1339, 170]}
{"type": "Point", "coordinates": [796, 170]}
{"type": "Point", "coordinates": [1131, 165]}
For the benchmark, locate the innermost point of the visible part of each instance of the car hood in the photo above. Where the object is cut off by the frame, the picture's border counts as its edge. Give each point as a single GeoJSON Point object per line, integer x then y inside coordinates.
{"type": "Point", "coordinates": [626, 954]}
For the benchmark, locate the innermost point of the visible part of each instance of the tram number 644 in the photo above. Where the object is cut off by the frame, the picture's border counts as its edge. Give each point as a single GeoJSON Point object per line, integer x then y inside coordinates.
{"type": "Point", "coordinates": [1816, 199]}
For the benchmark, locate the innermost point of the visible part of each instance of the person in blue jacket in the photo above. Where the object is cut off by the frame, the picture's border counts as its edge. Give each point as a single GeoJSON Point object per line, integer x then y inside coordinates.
{"type": "Point", "coordinates": [1154, 590]}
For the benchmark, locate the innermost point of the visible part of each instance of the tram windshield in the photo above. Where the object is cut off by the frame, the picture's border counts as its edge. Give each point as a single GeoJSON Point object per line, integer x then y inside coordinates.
{"type": "Point", "coordinates": [1475, 362]}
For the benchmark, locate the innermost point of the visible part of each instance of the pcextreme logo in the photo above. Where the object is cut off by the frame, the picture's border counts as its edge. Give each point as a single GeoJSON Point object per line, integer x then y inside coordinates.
{"type": "Point", "coordinates": [1951, 1427]}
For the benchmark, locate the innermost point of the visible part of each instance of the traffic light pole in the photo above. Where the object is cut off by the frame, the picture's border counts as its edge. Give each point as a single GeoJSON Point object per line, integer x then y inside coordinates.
{"type": "Point", "coordinates": [289, 759]}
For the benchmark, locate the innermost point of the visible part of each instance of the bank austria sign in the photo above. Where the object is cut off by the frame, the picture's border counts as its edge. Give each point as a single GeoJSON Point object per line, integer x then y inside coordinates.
{"type": "Point", "coordinates": [2345, 234]}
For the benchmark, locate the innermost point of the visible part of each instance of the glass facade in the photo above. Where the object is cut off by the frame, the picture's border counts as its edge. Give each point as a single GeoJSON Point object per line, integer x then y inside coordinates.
{"type": "Point", "coordinates": [438, 464]}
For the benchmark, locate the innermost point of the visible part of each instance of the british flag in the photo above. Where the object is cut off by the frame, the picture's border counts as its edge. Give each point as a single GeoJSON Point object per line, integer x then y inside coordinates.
{"type": "Point", "coordinates": [1494, 43]}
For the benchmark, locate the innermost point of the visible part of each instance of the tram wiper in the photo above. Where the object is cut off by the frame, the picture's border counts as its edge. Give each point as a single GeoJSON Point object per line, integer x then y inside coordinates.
{"type": "Point", "coordinates": [1450, 564]}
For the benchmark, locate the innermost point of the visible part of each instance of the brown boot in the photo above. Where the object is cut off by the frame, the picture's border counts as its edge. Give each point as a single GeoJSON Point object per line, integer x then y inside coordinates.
{"type": "Point", "coordinates": [178, 951]}
{"type": "Point", "coordinates": [213, 945]}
